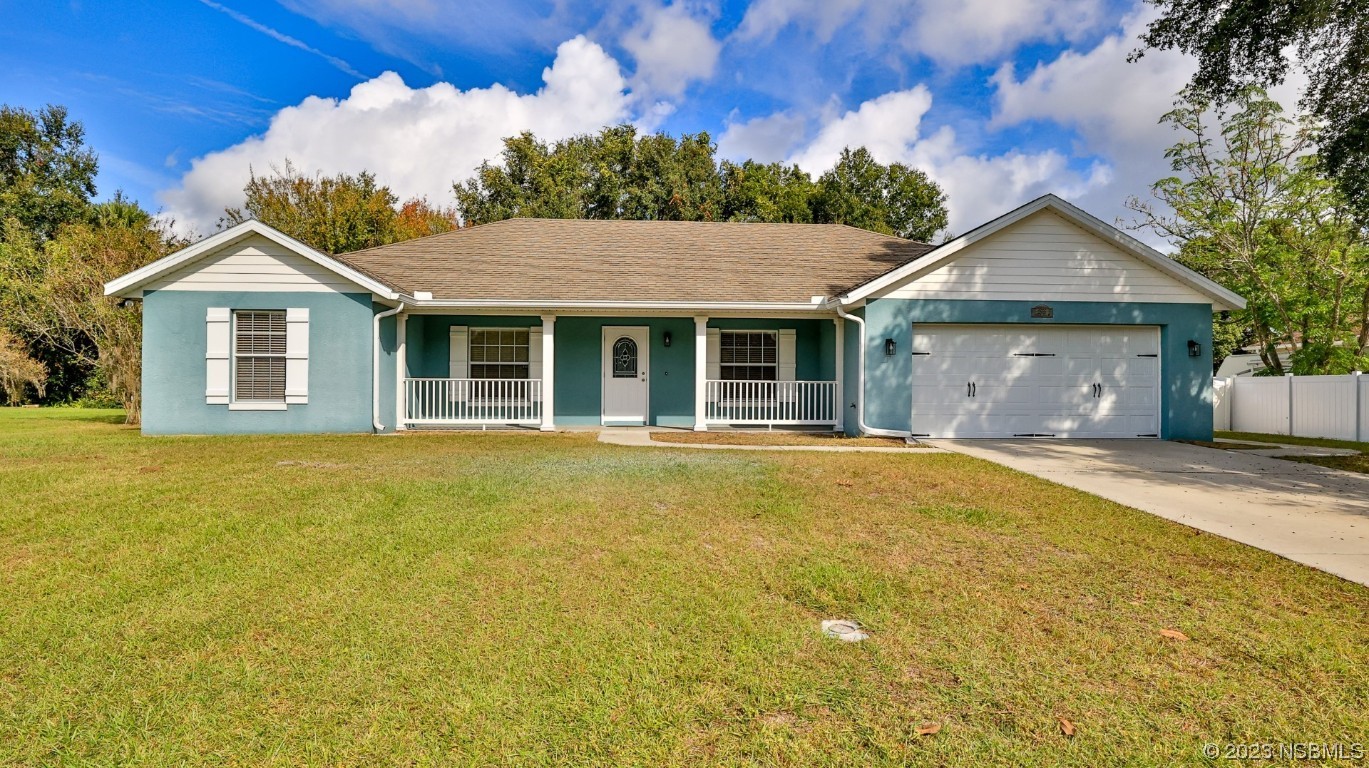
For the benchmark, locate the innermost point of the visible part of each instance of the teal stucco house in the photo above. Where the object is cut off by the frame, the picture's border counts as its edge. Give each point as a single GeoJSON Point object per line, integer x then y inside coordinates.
{"type": "Point", "coordinates": [1045, 322]}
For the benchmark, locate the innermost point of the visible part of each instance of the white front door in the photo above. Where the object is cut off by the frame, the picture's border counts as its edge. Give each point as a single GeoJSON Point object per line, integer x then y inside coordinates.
{"type": "Point", "coordinates": [626, 358]}
{"type": "Point", "coordinates": [1037, 381]}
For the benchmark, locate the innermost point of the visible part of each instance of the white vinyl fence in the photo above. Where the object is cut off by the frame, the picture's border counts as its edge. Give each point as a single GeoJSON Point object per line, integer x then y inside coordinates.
{"type": "Point", "coordinates": [1336, 407]}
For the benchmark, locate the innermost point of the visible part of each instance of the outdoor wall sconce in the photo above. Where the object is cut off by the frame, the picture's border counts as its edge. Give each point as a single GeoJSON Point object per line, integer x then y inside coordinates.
{"type": "Point", "coordinates": [1194, 348]}
{"type": "Point", "coordinates": [665, 339]}
{"type": "Point", "coordinates": [890, 348]}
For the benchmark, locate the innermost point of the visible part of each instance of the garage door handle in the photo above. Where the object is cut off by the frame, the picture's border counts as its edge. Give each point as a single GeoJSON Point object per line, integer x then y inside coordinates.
{"type": "Point", "coordinates": [969, 389]}
{"type": "Point", "coordinates": [974, 389]}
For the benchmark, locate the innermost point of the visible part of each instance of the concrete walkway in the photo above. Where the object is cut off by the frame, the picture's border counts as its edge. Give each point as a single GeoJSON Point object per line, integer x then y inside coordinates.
{"type": "Point", "coordinates": [641, 437]}
{"type": "Point", "coordinates": [1306, 513]}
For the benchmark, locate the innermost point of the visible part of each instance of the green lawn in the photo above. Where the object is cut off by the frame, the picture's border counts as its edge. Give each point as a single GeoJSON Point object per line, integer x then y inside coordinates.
{"type": "Point", "coordinates": [474, 599]}
{"type": "Point", "coordinates": [1358, 463]}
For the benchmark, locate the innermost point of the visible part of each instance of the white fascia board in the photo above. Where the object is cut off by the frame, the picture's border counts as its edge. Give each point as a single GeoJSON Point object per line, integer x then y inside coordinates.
{"type": "Point", "coordinates": [615, 306]}
{"type": "Point", "coordinates": [1222, 298]}
{"type": "Point", "coordinates": [130, 284]}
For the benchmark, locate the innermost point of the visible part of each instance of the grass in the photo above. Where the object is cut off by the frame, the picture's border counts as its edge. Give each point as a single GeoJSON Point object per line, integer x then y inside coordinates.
{"type": "Point", "coordinates": [779, 438]}
{"type": "Point", "coordinates": [1316, 442]}
{"type": "Point", "coordinates": [1358, 463]}
{"type": "Point", "coordinates": [471, 599]}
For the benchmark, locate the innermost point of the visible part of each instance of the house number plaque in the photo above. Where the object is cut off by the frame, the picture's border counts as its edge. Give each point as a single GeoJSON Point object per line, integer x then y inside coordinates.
{"type": "Point", "coordinates": [1042, 311]}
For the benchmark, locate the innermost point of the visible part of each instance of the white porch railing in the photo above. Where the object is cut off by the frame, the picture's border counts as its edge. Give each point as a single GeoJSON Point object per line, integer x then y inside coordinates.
{"type": "Point", "coordinates": [771, 402]}
{"type": "Point", "coordinates": [436, 402]}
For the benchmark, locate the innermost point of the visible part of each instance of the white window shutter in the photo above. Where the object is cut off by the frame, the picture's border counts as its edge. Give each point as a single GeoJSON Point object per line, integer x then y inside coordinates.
{"type": "Point", "coordinates": [788, 355]}
{"type": "Point", "coordinates": [714, 356]}
{"type": "Point", "coordinates": [297, 355]}
{"type": "Point", "coordinates": [458, 362]}
{"type": "Point", "coordinates": [535, 352]}
{"type": "Point", "coordinates": [218, 323]}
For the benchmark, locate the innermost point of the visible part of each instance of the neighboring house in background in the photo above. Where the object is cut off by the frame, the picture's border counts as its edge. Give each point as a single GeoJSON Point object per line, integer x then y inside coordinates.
{"type": "Point", "coordinates": [1239, 364]}
{"type": "Point", "coordinates": [1043, 322]}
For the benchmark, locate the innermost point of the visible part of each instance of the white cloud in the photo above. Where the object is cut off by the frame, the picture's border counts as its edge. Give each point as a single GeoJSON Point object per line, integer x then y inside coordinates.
{"type": "Point", "coordinates": [978, 186]}
{"type": "Point", "coordinates": [1111, 102]}
{"type": "Point", "coordinates": [886, 126]}
{"type": "Point", "coordinates": [671, 49]}
{"type": "Point", "coordinates": [765, 18]}
{"type": "Point", "coordinates": [950, 32]}
{"type": "Point", "coordinates": [1114, 108]}
{"type": "Point", "coordinates": [418, 141]}
{"type": "Point", "coordinates": [955, 32]}
{"type": "Point", "coordinates": [765, 139]}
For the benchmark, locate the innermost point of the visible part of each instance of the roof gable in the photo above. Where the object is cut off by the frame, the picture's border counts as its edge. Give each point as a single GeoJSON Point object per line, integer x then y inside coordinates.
{"type": "Point", "coordinates": [1050, 250]}
{"type": "Point", "coordinates": [317, 267]}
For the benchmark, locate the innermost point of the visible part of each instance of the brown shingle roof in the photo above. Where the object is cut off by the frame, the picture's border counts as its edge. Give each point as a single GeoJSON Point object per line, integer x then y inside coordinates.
{"type": "Point", "coordinates": [577, 260]}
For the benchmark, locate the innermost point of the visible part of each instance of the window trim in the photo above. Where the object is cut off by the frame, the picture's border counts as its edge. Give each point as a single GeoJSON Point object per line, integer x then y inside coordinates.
{"type": "Point", "coordinates": [772, 333]}
{"type": "Point", "coordinates": [236, 403]}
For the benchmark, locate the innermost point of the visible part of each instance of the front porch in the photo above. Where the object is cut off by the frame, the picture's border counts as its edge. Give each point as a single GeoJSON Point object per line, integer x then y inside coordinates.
{"type": "Point", "coordinates": [545, 372]}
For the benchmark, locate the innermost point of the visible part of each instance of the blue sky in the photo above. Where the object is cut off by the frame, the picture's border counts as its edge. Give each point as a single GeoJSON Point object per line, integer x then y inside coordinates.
{"type": "Point", "coordinates": [999, 100]}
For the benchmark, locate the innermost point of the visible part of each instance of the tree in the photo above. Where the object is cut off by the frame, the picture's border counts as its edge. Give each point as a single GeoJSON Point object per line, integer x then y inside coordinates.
{"type": "Point", "coordinates": [61, 300]}
{"type": "Point", "coordinates": [1252, 211]}
{"type": "Point", "coordinates": [766, 192]}
{"type": "Point", "coordinates": [893, 199]}
{"type": "Point", "coordinates": [1246, 42]}
{"type": "Point", "coordinates": [419, 218]}
{"type": "Point", "coordinates": [19, 371]}
{"type": "Point", "coordinates": [333, 214]}
{"type": "Point", "coordinates": [619, 174]}
{"type": "Point", "coordinates": [47, 175]}
{"type": "Point", "coordinates": [614, 174]}
{"type": "Point", "coordinates": [336, 214]}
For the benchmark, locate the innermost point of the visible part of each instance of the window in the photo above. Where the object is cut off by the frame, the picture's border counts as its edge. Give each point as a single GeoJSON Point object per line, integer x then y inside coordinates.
{"type": "Point", "coordinates": [499, 353]}
{"type": "Point", "coordinates": [625, 358]}
{"type": "Point", "coordinates": [748, 356]}
{"type": "Point", "coordinates": [259, 356]}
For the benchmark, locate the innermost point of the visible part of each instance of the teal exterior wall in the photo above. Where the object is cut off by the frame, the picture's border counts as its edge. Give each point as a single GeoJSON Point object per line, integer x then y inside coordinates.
{"type": "Point", "coordinates": [340, 359]}
{"type": "Point", "coordinates": [1185, 386]}
{"type": "Point", "coordinates": [174, 341]}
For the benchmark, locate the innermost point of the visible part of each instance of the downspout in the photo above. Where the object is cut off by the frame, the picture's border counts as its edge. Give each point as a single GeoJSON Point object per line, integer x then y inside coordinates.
{"type": "Point", "coordinates": [864, 428]}
{"type": "Point", "coordinates": [375, 367]}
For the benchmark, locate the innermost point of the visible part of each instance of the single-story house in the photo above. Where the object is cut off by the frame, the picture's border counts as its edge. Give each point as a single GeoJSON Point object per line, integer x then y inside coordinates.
{"type": "Point", "coordinates": [1045, 322]}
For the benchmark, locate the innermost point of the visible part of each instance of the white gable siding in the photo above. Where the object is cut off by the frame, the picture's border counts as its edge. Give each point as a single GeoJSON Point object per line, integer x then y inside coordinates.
{"type": "Point", "coordinates": [1046, 258]}
{"type": "Point", "coordinates": [255, 264]}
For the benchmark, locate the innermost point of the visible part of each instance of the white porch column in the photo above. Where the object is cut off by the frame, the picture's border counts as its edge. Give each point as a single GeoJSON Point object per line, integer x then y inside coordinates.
{"type": "Point", "coordinates": [401, 368]}
{"type": "Point", "coordinates": [700, 373]}
{"type": "Point", "coordinates": [841, 372]}
{"type": "Point", "coordinates": [548, 373]}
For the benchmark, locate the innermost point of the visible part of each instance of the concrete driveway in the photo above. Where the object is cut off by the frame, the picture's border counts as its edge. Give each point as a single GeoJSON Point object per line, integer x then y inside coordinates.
{"type": "Point", "coordinates": [1303, 512]}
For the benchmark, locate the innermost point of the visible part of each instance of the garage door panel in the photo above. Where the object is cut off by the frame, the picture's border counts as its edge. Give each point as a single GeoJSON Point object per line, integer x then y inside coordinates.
{"type": "Point", "coordinates": [1069, 381]}
{"type": "Point", "coordinates": [939, 398]}
{"type": "Point", "coordinates": [1071, 395]}
{"type": "Point", "coordinates": [990, 392]}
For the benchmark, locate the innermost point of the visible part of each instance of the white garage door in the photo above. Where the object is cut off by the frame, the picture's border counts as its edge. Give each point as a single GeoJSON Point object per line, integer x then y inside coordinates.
{"type": "Point", "coordinates": [1058, 381]}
